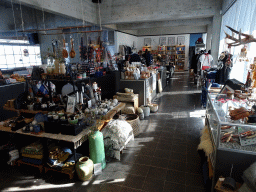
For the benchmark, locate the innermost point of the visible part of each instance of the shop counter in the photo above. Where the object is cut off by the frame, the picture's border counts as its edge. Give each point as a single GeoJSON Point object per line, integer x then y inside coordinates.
{"type": "Point", "coordinates": [146, 88]}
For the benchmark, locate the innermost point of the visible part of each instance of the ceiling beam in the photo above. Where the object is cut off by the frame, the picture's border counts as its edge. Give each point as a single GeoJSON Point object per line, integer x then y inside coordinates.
{"type": "Point", "coordinates": [172, 30]}
{"type": "Point", "coordinates": [172, 23]}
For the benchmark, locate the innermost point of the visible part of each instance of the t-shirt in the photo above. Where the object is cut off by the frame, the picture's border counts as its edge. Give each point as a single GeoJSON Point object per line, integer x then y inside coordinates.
{"type": "Point", "coordinates": [206, 60]}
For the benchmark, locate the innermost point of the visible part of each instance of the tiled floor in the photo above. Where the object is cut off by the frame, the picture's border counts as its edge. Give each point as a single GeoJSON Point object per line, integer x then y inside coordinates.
{"type": "Point", "coordinates": [162, 158]}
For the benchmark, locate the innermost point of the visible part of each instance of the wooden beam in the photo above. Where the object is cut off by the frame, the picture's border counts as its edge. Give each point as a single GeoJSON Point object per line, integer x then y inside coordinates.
{"type": "Point", "coordinates": [73, 32]}
{"type": "Point", "coordinates": [52, 29]}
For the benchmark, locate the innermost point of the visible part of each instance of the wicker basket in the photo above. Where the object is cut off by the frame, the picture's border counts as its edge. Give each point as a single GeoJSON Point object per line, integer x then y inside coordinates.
{"type": "Point", "coordinates": [133, 120]}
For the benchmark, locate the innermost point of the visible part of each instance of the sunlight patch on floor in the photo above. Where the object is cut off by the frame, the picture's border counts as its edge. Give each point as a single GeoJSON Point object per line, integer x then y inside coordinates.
{"type": "Point", "coordinates": [40, 187]}
{"type": "Point", "coordinates": [197, 113]}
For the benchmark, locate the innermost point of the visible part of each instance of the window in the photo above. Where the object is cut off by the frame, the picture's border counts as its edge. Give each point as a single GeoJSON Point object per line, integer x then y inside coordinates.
{"type": "Point", "coordinates": [14, 55]}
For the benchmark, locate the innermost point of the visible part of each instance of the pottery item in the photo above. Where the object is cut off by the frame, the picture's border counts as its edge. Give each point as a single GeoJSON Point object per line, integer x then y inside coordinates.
{"type": "Point", "coordinates": [94, 86]}
{"type": "Point", "coordinates": [111, 107]}
{"type": "Point", "coordinates": [30, 107]}
{"type": "Point", "coordinates": [96, 148]}
{"type": "Point", "coordinates": [141, 116]}
{"type": "Point", "coordinates": [72, 53]}
{"type": "Point", "coordinates": [146, 111]}
{"type": "Point", "coordinates": [64, 51]}
{"type": "Point", "coordinates": [62, 69]}
{"type": "Point", "coordinates": [105, 111]}
{"type": "Point", "coordinates": [140, 110]}
{"type": "Point", "coordinates": [56, 66]}
{"type": "Point", "coordinates": [153, 108]}
{"type": "Point", "coordinates": [40, 99]}
{"type": "Point", "coordinates": [73, 122]}
{"type": "Point", "coordinates": [100, 112]}
{"type": "Point", "coordinates": [84, 168]}
{"type": "Point", "coordinates": [55, 117]}
{"type": "Point", "coordinates": [115, 101]}
{"type": "Point", "coordinates": [36, 128]}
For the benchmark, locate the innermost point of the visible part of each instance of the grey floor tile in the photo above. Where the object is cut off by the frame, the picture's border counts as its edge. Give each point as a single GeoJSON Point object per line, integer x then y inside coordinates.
{"type": "Point", "coordinates": [127, 189]}
{"type": "Point", "coordinates": [177, 165]}
{"type": "Point", "coordinates": [153, 185]}
{"type": "Point", "coordinates": [159, 162]}
{"type": "Point", "coordinates": [109, 187]}
{"type": "Point", "coordinates": [178, 156]}
{"type": "Point", "coordinates": [194, 168]}
{"type": "Point", "coordinates": [195, 180]}
{"type": "Point", "coordinates": [163, 154]}
{"type": "Point", "coordinates": [143, 160]}
{"type": "Point", "coordinates": [180, 148]}
{"type": "Point", "coordinates": [174, 187]}
{"type": "Point", "coordinates": [157, 173]}
{"type": "Point", "coordinates": [134, 181]}
{"type": "Point", "coordinates": [176, 176]}
{"type": "Point", "coordinates": [141, 170]}
{"type": "Point", "coordinates": [195, 189]}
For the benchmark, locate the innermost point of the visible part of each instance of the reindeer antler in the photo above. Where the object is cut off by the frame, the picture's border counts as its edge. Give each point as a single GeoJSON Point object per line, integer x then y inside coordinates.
{"type": "Point", "coordinates": [239, 41]}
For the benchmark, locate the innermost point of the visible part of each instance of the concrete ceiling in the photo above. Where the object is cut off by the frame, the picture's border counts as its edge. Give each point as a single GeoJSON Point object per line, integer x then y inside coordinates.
{"type": "Point", "coordinates": [142, 17]}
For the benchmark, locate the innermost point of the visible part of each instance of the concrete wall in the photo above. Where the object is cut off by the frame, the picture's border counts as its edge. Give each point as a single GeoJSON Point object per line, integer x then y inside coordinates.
{"type": "Point", "coordinates": [121, 11]}
{"type": "Point", "coordinates": [155, 43]}
{"type": "Point", "coordinates": [124, 39]}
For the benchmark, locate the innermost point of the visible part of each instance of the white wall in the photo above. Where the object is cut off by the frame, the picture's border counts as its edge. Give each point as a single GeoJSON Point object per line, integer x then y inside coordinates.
{"type": "Point", "coordinates": [124, 39]}
{"type": "Point", "coordinates": [155, 43]}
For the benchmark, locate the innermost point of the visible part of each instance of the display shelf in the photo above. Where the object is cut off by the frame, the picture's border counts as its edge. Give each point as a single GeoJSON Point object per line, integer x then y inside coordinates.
{"type": "Point", "coordinates": [227, 153]}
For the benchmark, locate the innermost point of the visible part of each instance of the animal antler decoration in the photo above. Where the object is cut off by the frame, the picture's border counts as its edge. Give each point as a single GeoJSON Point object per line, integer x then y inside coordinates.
{"type": "Point", "coordinates": [240, 40]}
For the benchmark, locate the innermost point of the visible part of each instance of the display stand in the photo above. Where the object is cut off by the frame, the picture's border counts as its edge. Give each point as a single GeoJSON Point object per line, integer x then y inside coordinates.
{"type": "Point", "coordinates": [40, 167]}
{"type": "Point", "coordinates": [71, 174]}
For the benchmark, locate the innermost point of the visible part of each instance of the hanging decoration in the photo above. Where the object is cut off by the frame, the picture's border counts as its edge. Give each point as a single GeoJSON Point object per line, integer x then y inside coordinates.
{"type": "Point", "coordinates": [239, 41]}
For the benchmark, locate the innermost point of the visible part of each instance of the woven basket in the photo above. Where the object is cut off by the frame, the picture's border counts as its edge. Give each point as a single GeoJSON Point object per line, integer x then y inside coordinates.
{"type": "Point", "coordinates": [133, 120]}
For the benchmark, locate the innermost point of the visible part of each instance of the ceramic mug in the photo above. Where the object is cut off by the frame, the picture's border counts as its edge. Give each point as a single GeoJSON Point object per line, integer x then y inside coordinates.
{"type": "Point", "coordinates": [30, 107]}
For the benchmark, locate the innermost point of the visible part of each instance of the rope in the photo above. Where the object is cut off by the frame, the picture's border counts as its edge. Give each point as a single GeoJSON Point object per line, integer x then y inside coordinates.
{"type": "Point", "coordinates": [14, 21]}
{"type": "Point", "coordinates": [22, 22]}
{"type": "Point", "coordinates": [82, 6]}
{"type": "Point", "coordinates": [99, 14]}
{"type": "Point", "coordinates": [43, 20]}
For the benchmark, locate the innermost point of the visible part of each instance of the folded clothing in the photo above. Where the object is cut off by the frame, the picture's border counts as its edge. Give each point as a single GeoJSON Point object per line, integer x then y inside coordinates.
{"type": "Point", "coordinates": [32, 156]}
{"type": "Point", "coordinates": [33, 147]}
{"type": "Point", "coordinates": [32, 161]}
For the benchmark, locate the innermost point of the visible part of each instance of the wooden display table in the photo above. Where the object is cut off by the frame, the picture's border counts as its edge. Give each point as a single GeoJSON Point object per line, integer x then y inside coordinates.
{"type": "Point", "coordinates": [135, 101]}
{"type": "Point", "coordinates": [71, 174]}
{"type": "Point", "coordinates": [40, 167]}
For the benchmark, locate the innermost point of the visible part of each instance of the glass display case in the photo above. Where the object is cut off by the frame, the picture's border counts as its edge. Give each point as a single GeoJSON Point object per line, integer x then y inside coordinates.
{"type": "Point", "coordinates": [221, 124]}
{"type": "Point", "coordinates": [231, 145]}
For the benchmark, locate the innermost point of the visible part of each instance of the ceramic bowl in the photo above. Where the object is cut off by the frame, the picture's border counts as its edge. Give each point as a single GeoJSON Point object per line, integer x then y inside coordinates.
{"type": "Point", "coordinates": [100, 112]}
{"type": "Point", "coordinates": [115, 101]}
{"type": "Point", "coordinates": [73, 122]}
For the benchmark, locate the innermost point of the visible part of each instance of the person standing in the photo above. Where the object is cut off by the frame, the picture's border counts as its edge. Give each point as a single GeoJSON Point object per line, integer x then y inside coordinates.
{"type": "Point", "coordinates": [148, 57]}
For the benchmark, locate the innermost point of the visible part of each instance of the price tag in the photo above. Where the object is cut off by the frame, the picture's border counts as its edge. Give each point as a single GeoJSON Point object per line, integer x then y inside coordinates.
{"type": "Point", "coordinates": [97, 169]}
{"type": "Point", "coordinates": [89, 103]}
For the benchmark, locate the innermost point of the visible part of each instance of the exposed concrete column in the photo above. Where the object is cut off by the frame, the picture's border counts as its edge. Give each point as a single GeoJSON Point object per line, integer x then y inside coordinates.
{"type": "Point", "coordinates": [209, 37]}
{"type": "Point", "coordinates": [216, 35]}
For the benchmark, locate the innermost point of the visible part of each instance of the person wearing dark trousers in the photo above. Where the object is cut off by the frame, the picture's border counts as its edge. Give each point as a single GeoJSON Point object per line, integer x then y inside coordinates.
{"type": "Point", "coordinates": [148, 57]}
